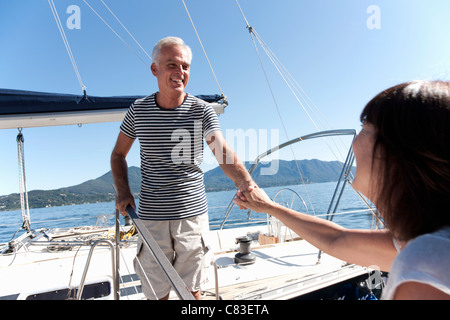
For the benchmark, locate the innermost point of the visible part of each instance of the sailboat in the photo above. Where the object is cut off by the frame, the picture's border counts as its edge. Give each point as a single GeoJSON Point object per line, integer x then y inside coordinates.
{"type": "Point", "coordinates": [265, 261]}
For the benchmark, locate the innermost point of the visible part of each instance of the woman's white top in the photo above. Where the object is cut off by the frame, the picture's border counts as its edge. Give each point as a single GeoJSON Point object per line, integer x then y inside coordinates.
{"type": "Point", "coordinates": [425, 259]}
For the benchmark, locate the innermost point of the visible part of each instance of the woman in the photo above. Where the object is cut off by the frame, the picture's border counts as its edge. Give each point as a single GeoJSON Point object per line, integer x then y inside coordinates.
{"type": "Point", "coordinates": [403, 167]}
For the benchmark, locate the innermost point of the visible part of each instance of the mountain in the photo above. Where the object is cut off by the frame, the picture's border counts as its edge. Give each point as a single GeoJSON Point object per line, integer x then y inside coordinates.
{"type": "Point", "coordinates": [282, 174]}
{"type": "Point", "coordinates": [278, 173]}
{"type": "Point", "coordinates": [91, 191]}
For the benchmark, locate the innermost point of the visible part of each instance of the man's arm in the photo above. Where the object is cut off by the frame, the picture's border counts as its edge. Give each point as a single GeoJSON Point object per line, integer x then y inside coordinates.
{"type": "Point", "coordinates": [119, 169]}
{"type": "Point", "coordinates": [229, 162]}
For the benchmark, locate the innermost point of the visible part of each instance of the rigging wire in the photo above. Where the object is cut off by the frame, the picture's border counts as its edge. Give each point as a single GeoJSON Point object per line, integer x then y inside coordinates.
{"type": "Point", "coordinates": [279, 66]}
{"type": "Point", "coordinates": [201, 44]}
{"type": "Point", "coordinates": [127, 30]}
{"type": "Point", "coordinates": [282, 122]}
{"type": "Point", "coordinates": [72, 59]}
{"type": "Point", "coordinates": [294, 86]}
{"type": "Point", "coordinates": [275, 62]}
{"type": "Point", "coordinates": [140, 46]}
{"type": "Point", "coordinates": [66, 44]}
{"type": "Point", "coordinates": [117, 35]}
{"type": "Point", "coordinates": [253, 36]}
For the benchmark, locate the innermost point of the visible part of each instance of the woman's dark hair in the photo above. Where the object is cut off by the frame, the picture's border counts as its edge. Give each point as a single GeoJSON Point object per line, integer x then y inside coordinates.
{"type": "Point", "coordinates": [412, 122]}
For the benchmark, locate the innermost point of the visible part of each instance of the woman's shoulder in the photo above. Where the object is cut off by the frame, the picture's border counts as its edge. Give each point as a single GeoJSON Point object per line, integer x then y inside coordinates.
{"type": "Point", "coordinates": [428, 245]}
{"type": "Point", "coordinates": [440, 236]}
{"type": "Point", "coordinates": [425, 260]}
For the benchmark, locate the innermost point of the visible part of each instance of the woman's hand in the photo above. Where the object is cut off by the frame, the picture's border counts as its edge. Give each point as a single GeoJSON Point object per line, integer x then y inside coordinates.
{"type": "Point", "coordinates": [255, 199]}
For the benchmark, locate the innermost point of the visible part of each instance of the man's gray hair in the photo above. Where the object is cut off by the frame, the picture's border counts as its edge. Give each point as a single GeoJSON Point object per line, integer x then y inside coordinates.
{"type": "Point", "coordinates": [169, 41]}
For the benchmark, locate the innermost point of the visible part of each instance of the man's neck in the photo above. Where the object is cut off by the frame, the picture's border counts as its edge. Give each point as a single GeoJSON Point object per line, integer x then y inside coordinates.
{"type": "Point", "coordinates": [170, 101]}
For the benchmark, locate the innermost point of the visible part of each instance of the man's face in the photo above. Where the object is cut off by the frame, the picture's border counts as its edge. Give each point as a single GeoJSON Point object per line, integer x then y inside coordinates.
{"type": "Point", "coordinates": [172, 69]}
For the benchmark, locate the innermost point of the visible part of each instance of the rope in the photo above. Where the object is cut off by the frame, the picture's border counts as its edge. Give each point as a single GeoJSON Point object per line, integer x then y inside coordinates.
{"type": "Point", "coordinates": [204, 51]}
{"type": "Point", "coordinates": [66, 44]}
{"type": "Point", "coordinates": [22, 182]}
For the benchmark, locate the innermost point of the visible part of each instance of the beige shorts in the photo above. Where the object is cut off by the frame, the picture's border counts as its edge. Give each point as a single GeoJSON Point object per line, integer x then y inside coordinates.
{"type": "Point", "coordinates": [183, 243]}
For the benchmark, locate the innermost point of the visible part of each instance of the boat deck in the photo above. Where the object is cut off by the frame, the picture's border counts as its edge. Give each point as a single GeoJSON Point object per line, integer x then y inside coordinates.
{"type": "Point", "coordinates": [280, 271]}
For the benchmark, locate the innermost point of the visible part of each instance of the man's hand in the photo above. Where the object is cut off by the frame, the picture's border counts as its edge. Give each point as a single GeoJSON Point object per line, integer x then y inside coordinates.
{"type": "Point", "coordinates": [256, 200]}
{"type": "Point", "coordinates": [247, 187]}
{"type": "Point", "coordinates": [123, 200]}
{"type": "Point", "coordinates": [119, 169]}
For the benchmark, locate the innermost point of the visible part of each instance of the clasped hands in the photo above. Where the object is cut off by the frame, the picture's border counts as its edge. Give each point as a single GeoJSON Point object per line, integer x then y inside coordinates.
{"type": "Point", "coordinates": [252, 198]}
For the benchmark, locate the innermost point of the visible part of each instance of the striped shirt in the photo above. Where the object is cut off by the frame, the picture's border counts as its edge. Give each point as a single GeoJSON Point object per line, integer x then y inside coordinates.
{"type": "Point", "coordinates": [171, 150]}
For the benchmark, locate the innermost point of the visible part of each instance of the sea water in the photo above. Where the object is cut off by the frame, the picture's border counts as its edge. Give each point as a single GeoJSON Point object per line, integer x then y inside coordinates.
{"type": "Point", "coordinates": [313, 199]}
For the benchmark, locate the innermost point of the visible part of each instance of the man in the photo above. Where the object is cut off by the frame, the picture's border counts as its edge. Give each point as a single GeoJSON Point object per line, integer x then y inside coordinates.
{"type": "Point", "coordinates": [170, 125]}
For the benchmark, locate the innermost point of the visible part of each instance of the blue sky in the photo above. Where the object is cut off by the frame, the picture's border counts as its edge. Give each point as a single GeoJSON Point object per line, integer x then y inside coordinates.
{"type": "Point", "coordinates": [326, 45]}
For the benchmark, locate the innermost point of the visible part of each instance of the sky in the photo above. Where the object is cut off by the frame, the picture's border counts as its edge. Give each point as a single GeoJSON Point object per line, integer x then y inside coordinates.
{"type": "Point", "coordinates": [341, 53]}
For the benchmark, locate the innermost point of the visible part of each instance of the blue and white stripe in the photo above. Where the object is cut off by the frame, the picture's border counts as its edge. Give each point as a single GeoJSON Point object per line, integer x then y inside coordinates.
{"type": "Point", "coordinates": [171, 150]}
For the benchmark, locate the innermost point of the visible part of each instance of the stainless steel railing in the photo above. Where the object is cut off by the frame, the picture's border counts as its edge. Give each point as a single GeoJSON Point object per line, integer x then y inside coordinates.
{"type": "Point", "coordinates": [86, 268]}
{"type": "Point", "coordinates": [173, 277]}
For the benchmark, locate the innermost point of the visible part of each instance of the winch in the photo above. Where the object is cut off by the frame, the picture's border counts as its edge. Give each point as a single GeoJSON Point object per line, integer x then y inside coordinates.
{"type": "Point", "coordinates": [244, 256]}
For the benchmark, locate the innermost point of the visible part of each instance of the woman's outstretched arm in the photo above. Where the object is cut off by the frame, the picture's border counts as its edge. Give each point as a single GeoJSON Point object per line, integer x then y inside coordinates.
{"type": "Point", "coordinates": [362, 247]}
